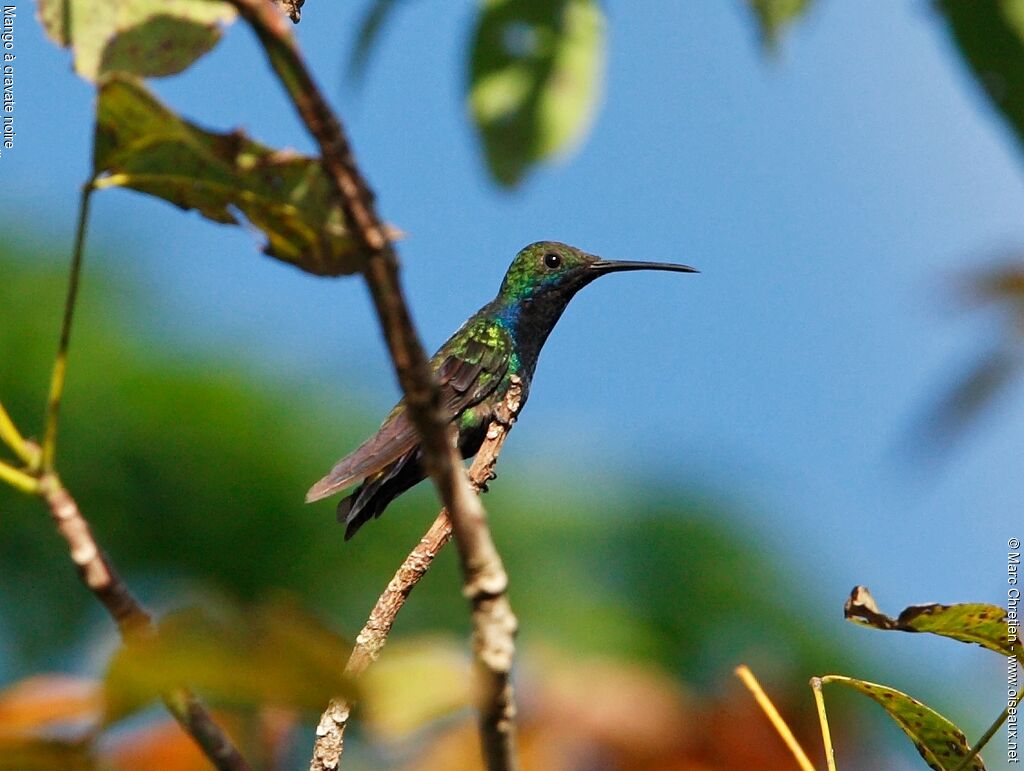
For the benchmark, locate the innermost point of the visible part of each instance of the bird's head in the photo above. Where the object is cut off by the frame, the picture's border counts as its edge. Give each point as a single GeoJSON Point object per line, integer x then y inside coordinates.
{"type": "Point", "coordinates": [549, 269]}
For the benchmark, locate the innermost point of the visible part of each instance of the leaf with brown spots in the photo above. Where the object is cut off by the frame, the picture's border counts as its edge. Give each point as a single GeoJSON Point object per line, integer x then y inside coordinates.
{"type": "Point", "coordinates": [142, 145]}
{"type": "Point", "coordinates": [972, 622]}
{"type": "Point", "coordinates": [942, 745]}
{"type": "Point", "coordinates": [148, 38]}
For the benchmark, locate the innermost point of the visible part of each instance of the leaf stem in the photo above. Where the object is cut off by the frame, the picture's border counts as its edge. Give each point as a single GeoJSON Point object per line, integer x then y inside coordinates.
{"type": "Point", "coordinates": [826, 735]}
{"type": "Point", "coordinates": [10, 436]}
{"type": "Point", "coordinates": [18, 479]}
{"type": "Point", "coordinates": [987, 736]}
{"type": "Point", "coordinates": [60, 363]}
{"type": "Point", "coordinates": [747, 678]}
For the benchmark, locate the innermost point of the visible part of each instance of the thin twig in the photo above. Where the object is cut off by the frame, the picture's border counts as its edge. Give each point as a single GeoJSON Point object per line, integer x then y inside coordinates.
{"type": "Point", "coordinates": [330, 732]}
{"type": "Point", "coordinates": [132, 620]}
{"type": "Point", "coordinates": [987, 736]}
{"type": "Point", "coordinates": [60, 362]}
{"type": "Point", "coordinates": [485, 581]}
{"type": "Point", "coordinates": [826, 735]}
{"type": "Point", "coordinates": [747, 677]}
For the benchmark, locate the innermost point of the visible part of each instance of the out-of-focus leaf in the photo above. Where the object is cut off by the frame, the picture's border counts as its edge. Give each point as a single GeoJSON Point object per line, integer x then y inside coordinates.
{"type": "Point", "coordinates": [275, 656]}
{"type": "Point", "coordinates": [148, 38]}
{"type": "Point", "coordinates": [373, 23]}
{"type": "Point", "coordinates": [45, 721]}
{"type": "Point", "coordinates": [1000, 284]}
{"type": "Point", "coordinates": [773, 16]}
{"type": "Point", "coordinates": [942, 745]}
{"type": "Point", "coordinates": [1000, 288]}
{"type": "Point", "coordinates": [606, 712]}
{"type": "Point", "coordinates": [968, 398]}
{"type": "Point", "coordinates": [142, 145]}
{"type": "Point", "coordinates": [535, 78]}
{"type": "Point", "coordinates": [416, 682]}
{"type": "Point", "coordinates": [39, 703]}
{"type": "Point", "coordinates": [973, 622]}
{"type": "Point", "coordinates": [33, 754]}
{"type": "Point", "coordinates": [990, 36]}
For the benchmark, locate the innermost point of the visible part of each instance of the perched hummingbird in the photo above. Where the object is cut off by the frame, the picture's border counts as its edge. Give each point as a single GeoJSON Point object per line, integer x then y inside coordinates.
{"type": "Point", "coordinates": [474, 370]}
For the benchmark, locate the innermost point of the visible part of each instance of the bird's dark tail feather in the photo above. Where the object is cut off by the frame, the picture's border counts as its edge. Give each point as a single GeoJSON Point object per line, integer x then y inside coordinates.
{"type": "Point", "coordinates": [375, 493]}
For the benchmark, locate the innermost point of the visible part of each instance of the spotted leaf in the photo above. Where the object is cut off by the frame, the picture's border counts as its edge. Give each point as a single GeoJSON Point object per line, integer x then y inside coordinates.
{"type": "Point", "coordinates": [142, 145]}
{"type": "Point", "coordinates": [942, 745]}
{"type": "Point", "coordinates": [148, 38]}
{"type": "Point", "coordinates": [973, 622]}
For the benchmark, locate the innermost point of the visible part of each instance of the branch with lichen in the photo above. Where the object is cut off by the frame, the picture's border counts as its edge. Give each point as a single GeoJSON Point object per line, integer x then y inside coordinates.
{"type": "Point", "coordinates": [330, 732]}
{"type": "Point", "coordinates": [485, 580]}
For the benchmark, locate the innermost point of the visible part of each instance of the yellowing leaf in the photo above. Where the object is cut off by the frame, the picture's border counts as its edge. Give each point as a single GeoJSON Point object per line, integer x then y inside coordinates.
{"type": "Point", "coordinates": [274, 656]}
{"type": "Point", "coordinates": [535, 79]}
{"type": "Point", "coordinates": [973, 622]}
{"type": "Point", "coordinates": [148, 38]}
{"type": "Point", "coordinates": [942, 745]}
{"type": "Point", "coordinates": [414, 683]}
{"type": "Point", "coordinates": [142, 145]}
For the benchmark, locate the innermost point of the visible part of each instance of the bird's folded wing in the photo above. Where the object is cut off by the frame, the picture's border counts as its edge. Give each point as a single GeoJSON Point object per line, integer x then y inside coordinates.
{"type": "Point", "coordinates": [468, 369]}
{"type": "Point", "coordinates": [394, 439]}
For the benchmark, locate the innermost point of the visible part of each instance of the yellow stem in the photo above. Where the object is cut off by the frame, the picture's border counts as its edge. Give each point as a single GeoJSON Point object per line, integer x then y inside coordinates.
{"type": "Point", "coordinates": [826, 736]}
{"type": "Point", "coordinates": [18, 479]}
{"type": "Point", "coordinates": [10, 436]}
{"type": "Point", "coordinates": [747, 678]}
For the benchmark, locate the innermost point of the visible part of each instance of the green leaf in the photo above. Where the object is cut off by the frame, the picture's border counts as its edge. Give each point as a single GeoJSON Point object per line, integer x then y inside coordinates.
{"type": "Point", "coordinates": [142, 145]}
{"type": "Point", "coordinates": [535, 77]}
{"type": "Point", "coordinates": [148, 38]}
{"type": "Point", "coordinates": [942, 745]}
{"type": "Point", "coordinates": [990, 36]}
{"type": "Point", "coordinates": [274, 655]}
{"type": "Point", "coordinates": [973, 622]}
{"type": "Point", "coordinates": [773, 16]}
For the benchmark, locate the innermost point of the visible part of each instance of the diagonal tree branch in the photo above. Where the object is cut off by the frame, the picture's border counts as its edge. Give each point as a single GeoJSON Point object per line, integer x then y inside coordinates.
{"type": "Point", "coordinates": [132, 620]}
{"type": "Point", "coordinates": [330, 733]}
{"type": "Point", "coordinates": [485, 580]}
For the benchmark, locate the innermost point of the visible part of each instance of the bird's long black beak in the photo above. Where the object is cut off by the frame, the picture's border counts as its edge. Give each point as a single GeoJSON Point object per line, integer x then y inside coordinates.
{"type": "Point", "coordinates": [614, 266]}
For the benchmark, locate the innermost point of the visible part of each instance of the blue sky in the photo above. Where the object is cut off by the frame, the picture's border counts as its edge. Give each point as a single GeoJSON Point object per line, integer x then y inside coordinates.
{"type": "Point", "coordinates": [830, 195]}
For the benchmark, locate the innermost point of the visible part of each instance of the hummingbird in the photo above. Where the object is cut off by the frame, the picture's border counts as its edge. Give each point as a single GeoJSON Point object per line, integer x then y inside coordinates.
{"type": "Point", "coordinates": [473, 370]}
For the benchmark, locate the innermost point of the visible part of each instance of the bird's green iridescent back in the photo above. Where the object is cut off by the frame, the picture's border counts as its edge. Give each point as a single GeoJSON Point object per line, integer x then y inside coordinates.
{"type": "Point", "coordinates": [483, 352]}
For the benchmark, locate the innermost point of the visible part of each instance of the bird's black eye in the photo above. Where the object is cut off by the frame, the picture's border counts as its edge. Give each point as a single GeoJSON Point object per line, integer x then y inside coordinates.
{"type": "Point", "coordinates": [552, 260]}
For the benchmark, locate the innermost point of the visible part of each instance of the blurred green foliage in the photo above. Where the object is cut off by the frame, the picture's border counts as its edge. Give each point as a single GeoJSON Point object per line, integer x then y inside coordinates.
{"type": "Point", "coordinates": [192, 466]}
